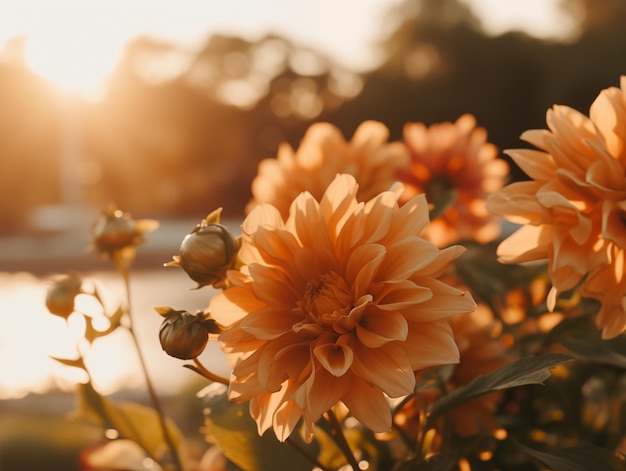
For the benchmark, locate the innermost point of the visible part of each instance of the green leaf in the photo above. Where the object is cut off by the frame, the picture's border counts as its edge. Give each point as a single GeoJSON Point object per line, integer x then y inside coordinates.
{"type": "Point", "coordinates": [91, 333]}
{"type": "Point", "coordinates": [580, 458]}
{"type": "Point", "coordinates": [230, 426]}
{"type": "Point", "coordinates": [138, 423]}
{"type": "Point", "coordinates": [440, 462]}
{"type": "Point", "coordinates": [580, 336]}
{"type": "Point", "coordinates": [530, 370]}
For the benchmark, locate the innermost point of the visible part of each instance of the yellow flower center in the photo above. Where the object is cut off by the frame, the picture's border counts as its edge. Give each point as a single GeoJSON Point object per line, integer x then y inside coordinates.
{"type": "Point", "coordinates": [328, 299]}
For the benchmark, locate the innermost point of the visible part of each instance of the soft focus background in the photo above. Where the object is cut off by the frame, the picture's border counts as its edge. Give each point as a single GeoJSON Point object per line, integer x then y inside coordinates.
{"type": "Point", "coordinates": [166, 107]}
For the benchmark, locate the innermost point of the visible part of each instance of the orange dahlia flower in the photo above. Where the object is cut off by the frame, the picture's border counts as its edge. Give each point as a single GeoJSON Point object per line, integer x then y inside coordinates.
{"type": "Point", "coordinates": [573, 211]}
{"type": "Point", "coordinates": [455, 166]}
{"type": "Point", "coordinates": [340, 302]}
{"type": "Point", "coordinates": [324, 153]}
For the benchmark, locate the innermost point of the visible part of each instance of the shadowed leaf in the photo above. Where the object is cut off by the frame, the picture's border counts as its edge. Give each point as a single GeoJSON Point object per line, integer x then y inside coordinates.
{"type": "Point", "coordinates": [580, 458]}
{"type": "Point", "coordinates": [531, 370]}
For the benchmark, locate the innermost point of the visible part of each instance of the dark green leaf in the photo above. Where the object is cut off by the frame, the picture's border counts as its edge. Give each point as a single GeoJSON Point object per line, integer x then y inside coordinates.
{"type": "Point", "coordinates": [91, 333]}
{"type": "Point", "coordinates": [441, 462]}
{"type": "Point", "coordinates": [530, 370]}
{"type": "Point", "coordinates": [581, 458]}
{"type": "Point", "coordinates": [230, 426]}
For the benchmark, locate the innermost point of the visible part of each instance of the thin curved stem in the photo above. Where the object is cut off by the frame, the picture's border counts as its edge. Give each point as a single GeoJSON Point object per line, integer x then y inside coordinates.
{"type": "Point", "coordinates": [209, 374]}
{"type": "Point", "coordinates": [300, 449]}
{"type": "Point", "coordinates": [154, 398]}
{"type": "Point", "coordinates": [340, 439]}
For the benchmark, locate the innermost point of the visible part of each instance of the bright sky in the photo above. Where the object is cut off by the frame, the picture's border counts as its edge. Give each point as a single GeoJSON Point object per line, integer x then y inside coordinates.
{"type": "Point", "coordinates": [92, 33]}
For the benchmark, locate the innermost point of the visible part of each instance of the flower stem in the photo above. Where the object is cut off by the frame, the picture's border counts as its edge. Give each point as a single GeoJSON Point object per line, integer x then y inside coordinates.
{"type": "Point", "coordinates": [300, 449]}
{"type": "Point", "coordinates": [154, 398]}
{"type": "Point", "coordinates": [209, 374]}
{"type": "Point", "coordinates": [340, 439]}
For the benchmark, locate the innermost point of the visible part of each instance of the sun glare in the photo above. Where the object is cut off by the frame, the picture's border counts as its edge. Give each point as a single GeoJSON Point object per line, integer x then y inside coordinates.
{"type": "Point", "coordinates": [74, 45]}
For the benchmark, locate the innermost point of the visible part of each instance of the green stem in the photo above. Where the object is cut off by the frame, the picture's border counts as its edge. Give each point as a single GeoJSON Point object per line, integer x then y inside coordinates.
{"type": "Point", "coordinates": [154, 398]}
{"type": "Point", "coordinates": [209, 374]}
{"type": "Point", "coordinates": [340, 439]}
{"type": "Point", "coordinates": [300, 449]}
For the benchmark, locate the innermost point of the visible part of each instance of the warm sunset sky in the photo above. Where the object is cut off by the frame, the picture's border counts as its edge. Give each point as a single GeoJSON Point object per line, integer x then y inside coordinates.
{"type": "Point", "coordinates": [344, 29]}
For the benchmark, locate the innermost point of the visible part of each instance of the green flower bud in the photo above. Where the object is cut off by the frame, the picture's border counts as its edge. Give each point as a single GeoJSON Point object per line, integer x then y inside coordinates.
{"type": "Point", "coordinates": [184, 335]}
{"type": "Point", "coordinates": [62, 293]}
{"type": "Point", "coordinates": [208, 252]}
{"type": "Point", "coordinates": [115, 231]}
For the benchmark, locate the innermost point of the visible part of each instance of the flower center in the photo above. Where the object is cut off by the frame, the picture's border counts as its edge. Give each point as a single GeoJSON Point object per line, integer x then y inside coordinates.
{"type": "Point", "coordinates": [328, 299]}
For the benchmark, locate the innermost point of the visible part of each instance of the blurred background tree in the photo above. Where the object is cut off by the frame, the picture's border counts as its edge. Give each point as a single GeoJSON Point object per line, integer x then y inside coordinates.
{"type": "Point", "coordinates": [176, 135]}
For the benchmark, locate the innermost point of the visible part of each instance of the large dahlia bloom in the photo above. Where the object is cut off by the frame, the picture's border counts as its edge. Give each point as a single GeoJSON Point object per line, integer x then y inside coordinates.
{"type": "Point", "coordinates": [340, 302]}
{"type": "Point", "coordinates": [322, 154]}
{"type": "Point", "coordinates": [455, 166]}
{"type": "Point", "coordinates": [573, 211]}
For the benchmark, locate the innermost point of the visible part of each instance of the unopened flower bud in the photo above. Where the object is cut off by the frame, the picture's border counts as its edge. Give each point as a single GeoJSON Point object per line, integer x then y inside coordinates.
{"type": "Point", "coordinates": [115, 230]}
{"type": "Point", "coordinates": [207, 252]}
{"type": "Point", "coordinates": [62, 293]}
{"type": "Point", "coordinates": [184, 335]}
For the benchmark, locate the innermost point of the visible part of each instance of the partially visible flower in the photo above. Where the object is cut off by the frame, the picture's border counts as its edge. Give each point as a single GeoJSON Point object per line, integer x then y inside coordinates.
{"type": "Point", "coordinates": [455, 166]}
{"type": "Point", "coordinates": [481, 352]}
{"type": "Point", "coordinates": [324, 153]}
{"type": "Point", "coordinates": [207, 252]}
{"type": "Point", "coordinates": [62, 293]}
{"type": "Point", "coordinates": [339, 303]}
{"type": "Point", "coordinates": [184, 335]}
{"type": "Point", "coordinates": [478, 337]}
{"type": "Point", "coordinates": [573, 210]}
{"type": "Point", "coordinates": [116, 234]}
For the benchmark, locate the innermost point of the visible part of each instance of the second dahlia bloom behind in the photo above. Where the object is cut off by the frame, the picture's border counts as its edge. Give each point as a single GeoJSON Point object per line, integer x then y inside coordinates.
{"type": "Point", "coordinates": [322, 154]}
{"type": "Point", "coordinates": [573, 211]}
{"type": "Point", "coordinates": [455, 166]}
{"type": "Point", "coordinates": [340, 302]}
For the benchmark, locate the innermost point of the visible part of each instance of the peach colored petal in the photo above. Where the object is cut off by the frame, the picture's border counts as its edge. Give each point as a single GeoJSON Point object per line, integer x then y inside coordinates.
{"type": "Point", "coordinates": [529, 243]}
{"type": "Point", "coordinates": [388, 367]}
{"type": "Point", "coordinates": [233, 304]}
{"type": "Point", "coordinates": [379, 327]}
{"type": "Point", "coordinates": [536, 164]}
{"type": "Point", "coordinates": [334, 357]}
{"type": "Point", "coordinates": [363, 265]}
{"type": "Point", "coordinates": [369, 406]}
{"type": "Point", "coordinates": [402, 295]}
{"type": "Point", "coordinates": [431, 344]}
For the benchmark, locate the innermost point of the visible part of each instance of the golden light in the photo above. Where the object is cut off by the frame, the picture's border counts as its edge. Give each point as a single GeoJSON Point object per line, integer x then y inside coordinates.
{"type": "Point", "coordinates": [74, 45]}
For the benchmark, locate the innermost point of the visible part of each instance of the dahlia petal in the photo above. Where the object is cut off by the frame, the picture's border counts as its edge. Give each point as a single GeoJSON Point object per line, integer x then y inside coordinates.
{"type": "Point", "coordinates": [370, 134]}
{"type": "Point", "coordinates": [285, 420]}
{"type": "Point", "coordinates": [605, 113]}
{"type": "Point", "coordinates": [411, 219]}
{"type": "Point", "coordinates": [271, 285]}
{"type": "Point", "coordinates": [368, 405]}
{"type": "Point", "coordinates": [440, 306]}
{"type": "Point", "coordinates": [387, 367]}
{"type": "Point", "coordinates": [401, 295]}
{"type": "Point", "coordinates": [536, 164]}
{"type": "Point", "coordinates": [378, 327]}
{"type": "Point", "coordinates": [276, 247]}
{"type": "Point", "coordinates": [443, 259]}
{"type": "Point", "coordinates": [406, 257]}
{"type": "Point", "coordinates": [268, 323]}
{"type": "Point", "coordinates": [431, 344]}
{"type": "Point", "coordinates": [233, 304]}
{"type": "Point", "coordinates": [363, 265]}
{"type": "Point", "coordinates": [335, 358]}
{"type": "Point", "coordinates": [338, 202]}
{"type": "Point", "coordinates": [529, 243]}
{"type": "Point", "coordinates": [517, 203]}
{"type": "Point", "coordinates": [323, 392]}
